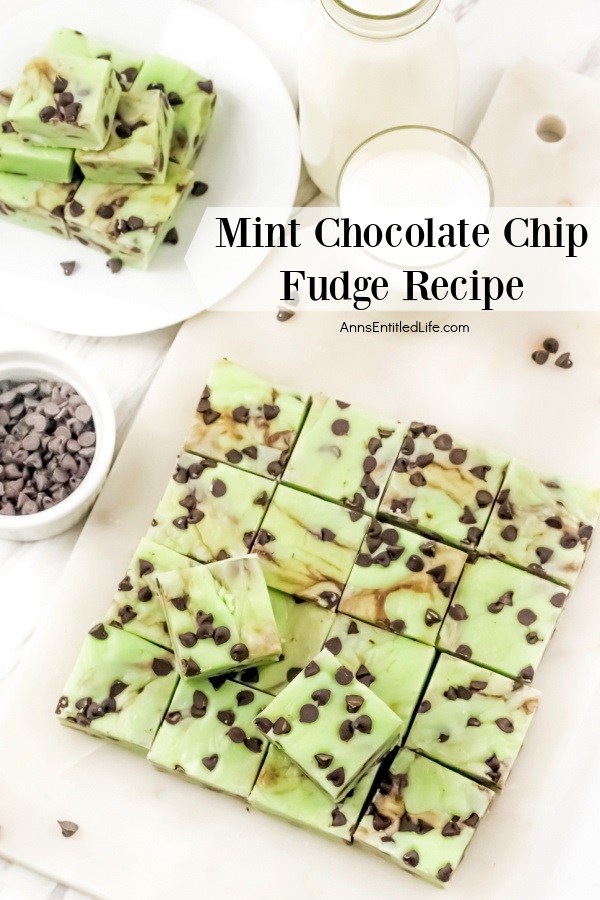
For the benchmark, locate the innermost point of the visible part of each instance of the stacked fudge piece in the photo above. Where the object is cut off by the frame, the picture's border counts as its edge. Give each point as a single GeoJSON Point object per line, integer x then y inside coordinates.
{"type": "Point", "coordinates": [337, 618]}
{"type": "Point", "coordinates": [99, 145]}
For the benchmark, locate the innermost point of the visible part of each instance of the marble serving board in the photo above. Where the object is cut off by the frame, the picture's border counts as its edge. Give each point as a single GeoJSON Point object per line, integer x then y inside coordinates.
{"type": "Point", "coordinates": [146, 834]}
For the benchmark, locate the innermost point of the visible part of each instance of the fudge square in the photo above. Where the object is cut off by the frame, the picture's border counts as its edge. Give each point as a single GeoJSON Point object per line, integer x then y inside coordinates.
{"type": "Point", "coordinates": [66, 101]}
{"type": "Point", "coordinates": [541, 523]}
{"type": "Point", "coordinates": [393, 667]}
{"type": "Point", "coordinates": [136, 606]}
{"type": "Point", "coordinates": [442, 486]}
{"type": "Point", "coordinates": [67, 42]}
{"type": "Point", "coordinates": [344, 454]}
{"type": "Point", "coordinates": [502, 618]}
{"type": "Point", "coordinates": [208, 735]}
{"type": "Point", "coordinates": [330, 725]}
{"type": "Point", "coordinates": [219, 616]}
{"type": "Point", "coordinates": [210, 511]}
{"type": "Point", "coordinates": [120, 688]}
{"type": "Point", "coordinates": [402, 582]}
{"type": "Point", "coordinates": [246, 420]}
{"type": "Point", "coordinates": [473, 720]}
{"type": "Point", "coordinates": [302, 627]}
{"type": "Point", "coordinates": [307, 545]}
{"type": "Point", "coordinates": [137, 151]}
{"type": "Point", "coordinates": [423, 817]}
{"type": "Point", "coordinates": [22, 157]}
{"type": "Point", "coordinates": [35, 204]}
{"type": "Point", "coordinates": [283, 789]}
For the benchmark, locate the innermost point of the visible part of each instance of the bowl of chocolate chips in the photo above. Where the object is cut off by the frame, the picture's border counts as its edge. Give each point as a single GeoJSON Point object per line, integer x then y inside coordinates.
{"type": "Point", "coordinates": [57, 439]}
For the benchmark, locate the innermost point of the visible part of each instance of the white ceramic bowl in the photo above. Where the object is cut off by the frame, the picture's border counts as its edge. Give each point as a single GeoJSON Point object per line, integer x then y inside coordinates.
{"type": "Point", "coordinates": [28, 365]}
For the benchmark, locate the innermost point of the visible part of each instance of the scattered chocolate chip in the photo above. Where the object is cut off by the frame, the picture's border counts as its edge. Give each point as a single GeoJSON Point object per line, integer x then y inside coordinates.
{"type": "Point", "coordinates": [114, 265]}
{"type": "Point", "coordinates": [540, 357]}
{"type": "Point", "coordinates": [564, 361]}
{"type": "Point", "coordinates": [550, 345]}
{"type": "Point", "coordinates": [199, 188]}
{"type": "Point", "coordinates": [99, 632]}
{"type": "Point", "coordinates": [68, 266]}
{"type": "Point", "coordinates": [67, 828]}
{"type": "Point", "coordinates": [171, 237]}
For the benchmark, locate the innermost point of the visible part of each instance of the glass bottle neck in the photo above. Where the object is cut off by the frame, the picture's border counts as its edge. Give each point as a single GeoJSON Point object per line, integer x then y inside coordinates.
{"type": "Point", "coordinates": [404, 16]}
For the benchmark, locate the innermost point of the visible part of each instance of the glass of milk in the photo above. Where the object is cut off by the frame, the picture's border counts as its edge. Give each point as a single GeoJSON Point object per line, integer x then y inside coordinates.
{"type": "Point", "coordinates": [368, 65]}
{"type": "Point", "coordinates": [406, 176]}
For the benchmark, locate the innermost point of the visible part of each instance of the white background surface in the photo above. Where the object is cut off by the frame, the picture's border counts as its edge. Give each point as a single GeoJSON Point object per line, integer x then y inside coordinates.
{"type": "Point", "coordinates": [492, 33]}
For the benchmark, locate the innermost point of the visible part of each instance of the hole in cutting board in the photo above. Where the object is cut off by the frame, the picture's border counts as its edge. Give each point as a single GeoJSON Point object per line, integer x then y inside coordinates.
{"type": "Point", "coordinates": [551, 129]}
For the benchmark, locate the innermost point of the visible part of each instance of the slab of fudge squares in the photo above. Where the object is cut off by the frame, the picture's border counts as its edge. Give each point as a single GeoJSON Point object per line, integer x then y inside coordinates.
{"type": "Point", "coordinates": [502, 618]}
{"type": "Point", "coordinates": [423, 817]}
{"type": "Point", "coordinates": [393, 667]}
{"type": "Point", "coordinates": [246, 420]}
{"type": "Point", "coordinates": [210, 511]}
{"type": "Point", "coordinates": [473, 720]}
{"type": "Point", "coordinates": [137, 606]}
{"type": "Point", "coordinates": [308, 545]}
{"type": "Point", "coordinates": [68, 42]}
{"type": "Point", "coordinates": [192, 98]}
{"type": "Point", "coordinates": [330, 725]}
{"type": "Point", "coordinates": [208, 735]}
{"type": "Point", "coordinates": [119, 688]}
{"type": "Point", "coordinates": [21, 156]}
{"type": "Point", "coordinates": [543, 524]}
{"type": "Point", "coordinates": [344, 453]}
{"type": "Point", "coordinates": [302, 627]}
{"type": "Point", "coordinates": [283, 789]}
{"type": "Point", "coordinates": [35, 204]}
{"type": "Point", "coordinates": [442, 486]}
{"type": "Point", "coordinates": [219, 616]}
{"type": "Point", "coordinates": [402, 581]}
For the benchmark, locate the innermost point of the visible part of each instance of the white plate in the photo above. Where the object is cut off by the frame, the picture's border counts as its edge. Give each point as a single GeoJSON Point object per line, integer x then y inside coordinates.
{"type": "Point", "coordinates": [250, 158]}
{"type": "Point", "coordinates": [147, 835]}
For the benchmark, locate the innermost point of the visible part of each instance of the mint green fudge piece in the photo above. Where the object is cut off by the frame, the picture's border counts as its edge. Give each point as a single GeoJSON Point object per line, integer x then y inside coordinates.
{"type": "Point", "coordinates": [137, 151]}
{"type": "Point", "coordinates": [307, 545]}
{"type": "Point", "coordinates": [23, 157]}
{"type": "Point", "coordinates": [302, 627]}
{"type": "Point", "coordinates": [35, 204]}
{"type": "Point", "coordinates": [66, 101]}
{"type": "Point", "coordinates": [423, 817]}
{"type": "Point", "coordinates": [502, 618]}
{"type": "Point", "coordinates": [68, 42]}
{"type": "Point", "coordinates": [210, 511]}
{"type": "Point", "coordinates": [402, 581]}
{"type": "Point", "coordinates": [345, 454]}
{"type": "Point", "coordinates": [246, 420]}
{"type": "Point", "coordinates": [136, 606]}
{"type": "Point", "coordinates": [473, 720]}
{"type": "Point", "coordinates": [542, 523]}
{"type": "Point", "coordinates": [120, 688]}
{"type": "Point", "coordinates": [209, 737]}
{"type": "Point", "coordinates": [393, 667]}
{"type": "Point", "coordinates": [332, 726]}
{"type": "Point", "coordinates": [193, 100]}
{"type": "Point", "coordinates": [442, 486]}
{"type": "Point", "coordinates": [282, 789]}
{"type": "Point", "coordinates": [219, 616]}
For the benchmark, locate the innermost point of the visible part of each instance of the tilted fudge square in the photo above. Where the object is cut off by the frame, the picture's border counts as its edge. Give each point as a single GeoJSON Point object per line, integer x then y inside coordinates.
{"type": "Point", "coordinates": [541, 523]}
{"type": "Point", "coordinates": [136, 606]}
{"type": "Point", "coordinates": [344, 454]}
{"type": "Point", "coordinates": [192, 98]}
{"type": "Point", "coordinates": [393, 667]}
{"type": "Point", "coordinates": [67, 42]}
{"type": "Point", "coordinates": [246, 420]}
{"type": "Point", "coordinates": [137, 151]}
{"type": "Point", "coordinates": [35, 204]}
{"type": "Point", "coordinates": [119, 689]}
{"type": "Point", "coordinates": [302, 627]}
{"type": "Point", "coordinates": [67, 101]}
{"type": "Point", "coordinates": [442, 486]}
{"type": "Point", "coordinates": [502, 618]}
{"type": "Point", "coordinates": [209, 736]}
{"type": "Point", "coordinates": [283, 789]}
{"type": "Point", "coordinates": [22, 156]}
{"type": "Point", "coordinates": [210, 511]}
{"type": "Point", "coordinates": [473, 720]}
{"type": "Point", "coordinates": [128, 221]}
{"type": "Point", "coordinates": [307, 545]}
{"type": "Point", "coordinates": [220, 616]}
{"type": "Point", "coordinates": [423, 817]}
{"type": "Point", "coordinates": [330, 725]}
{"type": "Point", "coordinates": [402, 582]}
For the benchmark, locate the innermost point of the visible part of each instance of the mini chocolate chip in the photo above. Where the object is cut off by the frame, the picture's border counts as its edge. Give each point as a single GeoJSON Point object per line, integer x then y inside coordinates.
{"type": "Point", "coordinates": [526, 617]}
{"type": "Point", "coordinates": [527, 673]}
{"type": "Point", "coordinates": [340, 427]}
{"type": "Point", "coordinates": [161, 667]}
{"type": "Point", "coordinates": [551, 345]}
{"type": "Point", "coordinates": [458, 613]}
{"type": "Point", "coordinates": [67, 828]}
{"type": "Point", "coordinates": [343, 676]}
{"type": "Point", "coordinates": [472, 821]}
{"type": "Point", "coordinates": [99, 632]}
{"type": "Point", "coordinates": [338, 818]}
{"type": "Point", "coordinates": [311, 669]}
{"type": "Point", "coordinates": [364, 676]}
{"type": "Point", "coordinates": [364, 724]}
{"type": "Point", "coordinates": [445, 873]}
{"type": "Point", "coordinates": [334, 645]}
{"type": "Point", "coordinates": [263, 724]}
{"type": "Point", "coordinates": [424, 707]}
{"type": "Point", "coordinates": [442, 738]}
{"type": "Point", "coordinates": [472, 722]}
{"type": "Point", "coordinates": [244, 698]}
{"type": "Point", "coordinates": [171, 237]}
{"type": "Point", "coordinates": [221, 635]}
{"type": "Point", "coordinates": [346, 730]}
{"type": "Point", "coordinates": [337, 776]}
{"type": "Point", "coordinates": [465, 651]}
{"type": "Point", "coordinates": [451, 829]}
{"type": "Point", "coordinates": [209, 762]}
{"type": "Point", "coordinates": [309, 713]}
{"type": "Point", "coordinates": [457, 456]}
{"type": "Point", "coordinates": [414, 563]}
{"type": "Point", "coordinates": [292, 673]}
{"type": "Point", "coordinates": [68, 267]}
{"type": "Point", "coordinates": [564, 361]}
{"type": "Point", "coordinates": [321, 696]}
{"type": "Point", "coordinates": [432, 617]}
{"type": "Point", "coordinates": [323, 760]}
{"type": "Point", "coordinates": [270, 411]}
{"type": "Point", "coordinates": [411, 859]}
{"type": "Point", "coordinates": [253, 744]}
{"type": "Point", "coordinates": [568, 541]}
{"type": "Point", "coordinates": [281, 726]}
{"type": "Point", "coordinates": [239, 652]}
{"type": "Point", "coordinates": [115, 265]}
{"type": "Point", "coordinates": [237, 735]}
{"type": "Point", "coordinates": [558, 600]}
{"type": "Point", "coordinates": [505, 725]}
{"type": "Point", "coordinates": [509, 533]}
{"type": "Point", "coordinates": [199, 188]}
{"type": "Point", "coordinates": [188, 639]}
{"type": "Point", "coordinates": [190, 668]}
{"type": "Point", "coordinates": [540, 357]}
